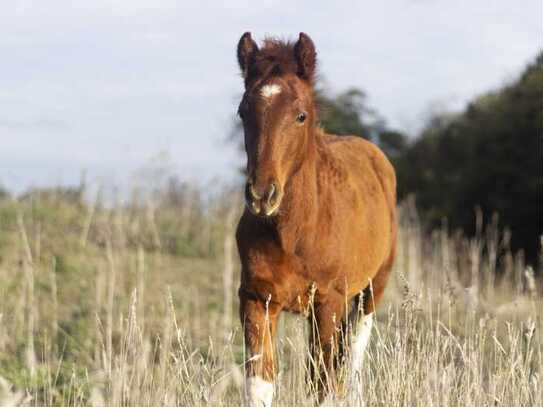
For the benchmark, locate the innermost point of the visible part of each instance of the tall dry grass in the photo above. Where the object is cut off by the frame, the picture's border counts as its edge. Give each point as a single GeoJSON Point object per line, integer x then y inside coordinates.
{"type": "Point", "coordinates": [136, 305]}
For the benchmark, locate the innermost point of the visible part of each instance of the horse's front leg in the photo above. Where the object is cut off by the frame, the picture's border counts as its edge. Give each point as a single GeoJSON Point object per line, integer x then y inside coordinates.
{"type": "Point", "coordinates": [259, 320]}
{"type": "Point", "coordinates": [324, 342]}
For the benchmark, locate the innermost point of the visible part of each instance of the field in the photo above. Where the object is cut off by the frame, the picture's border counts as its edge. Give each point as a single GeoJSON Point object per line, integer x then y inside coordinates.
{"type": "Point", "coordinates": [135, 304]}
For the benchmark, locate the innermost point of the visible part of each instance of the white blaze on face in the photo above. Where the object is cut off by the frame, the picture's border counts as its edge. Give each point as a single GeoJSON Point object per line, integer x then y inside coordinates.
{"type": "Point", "coordinates": [268, 91]}
{"type": "Point", "coordinates": [258, 392]}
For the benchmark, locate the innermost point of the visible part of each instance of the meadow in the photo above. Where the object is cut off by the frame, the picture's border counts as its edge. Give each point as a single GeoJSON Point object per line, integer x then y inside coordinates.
{"type": "Point", "coordinates": [135, 304]}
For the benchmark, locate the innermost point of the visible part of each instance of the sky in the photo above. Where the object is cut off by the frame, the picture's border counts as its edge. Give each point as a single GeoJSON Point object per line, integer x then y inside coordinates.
{"type": "Point", "coordinates": [116, 89]}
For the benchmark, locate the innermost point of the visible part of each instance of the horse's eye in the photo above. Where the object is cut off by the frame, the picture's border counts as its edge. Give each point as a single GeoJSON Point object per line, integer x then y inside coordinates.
{"type": "Point", "coordinates": [301, 117]}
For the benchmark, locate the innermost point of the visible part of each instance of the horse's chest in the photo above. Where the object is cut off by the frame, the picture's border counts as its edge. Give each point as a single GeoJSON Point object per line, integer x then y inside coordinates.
{"type": "Point", "coordinates": [321, 257]}
{"type": "Point", "coordinates": [315, 277]}
{"type": "Point", "coordinates": [289, 271]}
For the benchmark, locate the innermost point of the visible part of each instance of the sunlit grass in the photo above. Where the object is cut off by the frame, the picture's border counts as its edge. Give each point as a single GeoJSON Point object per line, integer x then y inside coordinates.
{"type": "Point", "coordinates": [137, 306]}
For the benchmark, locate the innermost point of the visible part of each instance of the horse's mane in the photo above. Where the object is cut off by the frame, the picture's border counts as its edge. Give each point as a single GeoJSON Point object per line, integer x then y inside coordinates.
{"type": "Point", "coordinates": [276, 57]}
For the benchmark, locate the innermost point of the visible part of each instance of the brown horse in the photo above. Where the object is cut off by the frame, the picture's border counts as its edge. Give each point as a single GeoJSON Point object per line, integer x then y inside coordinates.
{"type": "Point", "coordinates": [319, 232]}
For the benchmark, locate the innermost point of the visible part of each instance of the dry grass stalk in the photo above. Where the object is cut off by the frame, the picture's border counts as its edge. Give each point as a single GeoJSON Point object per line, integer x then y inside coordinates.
{"type": "Point", "coordinates": [435, 341]}
{"type": "Point", "coordinates": [30, 311]}
{"type": "Point", "coordinates": [228, 271]}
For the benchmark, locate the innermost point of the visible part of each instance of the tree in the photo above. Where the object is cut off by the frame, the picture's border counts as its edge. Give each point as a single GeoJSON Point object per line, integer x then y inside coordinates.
{"type": "Point", "coordinates": [346, 113]}
{"type": "Point", "coordinates": [490, 156]}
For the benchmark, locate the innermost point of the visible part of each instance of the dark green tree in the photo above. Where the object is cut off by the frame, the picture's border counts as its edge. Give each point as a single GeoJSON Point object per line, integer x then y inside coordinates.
{"type": "Point", "coordinates": [346, 113]}
{"type": "Point", "coordinates": [490, 156]}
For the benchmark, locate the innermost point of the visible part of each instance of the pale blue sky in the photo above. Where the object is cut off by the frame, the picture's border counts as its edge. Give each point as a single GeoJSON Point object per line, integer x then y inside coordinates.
{"type": "Point", "coordinates": [105, 86]}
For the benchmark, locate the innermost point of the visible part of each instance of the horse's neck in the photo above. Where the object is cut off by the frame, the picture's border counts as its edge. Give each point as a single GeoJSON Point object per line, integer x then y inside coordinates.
{"type": "Point", "coordinates": [301, 203]}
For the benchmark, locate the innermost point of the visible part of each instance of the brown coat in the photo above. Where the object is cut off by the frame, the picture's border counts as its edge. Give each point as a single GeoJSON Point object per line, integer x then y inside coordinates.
{"type": "Point", "coordinates": [321, 217]}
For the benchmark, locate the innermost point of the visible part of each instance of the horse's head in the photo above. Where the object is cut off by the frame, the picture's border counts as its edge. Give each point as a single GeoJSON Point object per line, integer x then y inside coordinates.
{"type": "Point", "coordinates": [278, 115]}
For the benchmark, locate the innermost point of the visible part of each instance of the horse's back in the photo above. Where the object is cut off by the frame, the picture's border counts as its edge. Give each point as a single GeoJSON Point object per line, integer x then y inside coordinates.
{"type": "Point", "coordinates": [359, 155]}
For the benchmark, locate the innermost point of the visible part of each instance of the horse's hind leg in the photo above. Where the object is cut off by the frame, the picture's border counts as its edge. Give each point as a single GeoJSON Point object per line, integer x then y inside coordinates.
{"type": "Point", "coordinates": [374, 292]}
{"type": "Point", "coordinates": [360, 321]}
{"type": "Point", "coordinates": [356, 330]}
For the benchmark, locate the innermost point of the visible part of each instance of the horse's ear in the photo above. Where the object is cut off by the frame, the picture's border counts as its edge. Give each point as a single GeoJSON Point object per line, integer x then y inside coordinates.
{"type": "Point", "coordinates": [306, 57]}
{"type": "Point", "coordinates": [247, 50]}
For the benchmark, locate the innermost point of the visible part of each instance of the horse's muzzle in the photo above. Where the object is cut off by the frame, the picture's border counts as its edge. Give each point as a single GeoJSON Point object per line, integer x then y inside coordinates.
{"type": "Point", "coordinates": [263, 201]}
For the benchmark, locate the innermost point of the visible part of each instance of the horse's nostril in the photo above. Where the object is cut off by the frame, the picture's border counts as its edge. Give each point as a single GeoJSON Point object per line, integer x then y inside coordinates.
{"type": "Point", "coordinates": [272, 194]}
{"type": "Point", "coordinates": [263, 199]}
{"type": "Point", "coordinates": [253, 194]}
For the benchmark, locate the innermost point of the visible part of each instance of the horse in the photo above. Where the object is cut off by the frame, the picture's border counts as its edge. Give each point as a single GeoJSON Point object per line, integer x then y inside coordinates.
{"type": "Point", "coordinates": [318, 233]}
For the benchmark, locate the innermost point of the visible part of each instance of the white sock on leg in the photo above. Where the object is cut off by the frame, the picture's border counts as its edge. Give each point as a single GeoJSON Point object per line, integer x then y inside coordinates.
{"type": "Point", "coordinates": [358, 351]}
{"type": "Point", "coordinates": [258, 392]}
